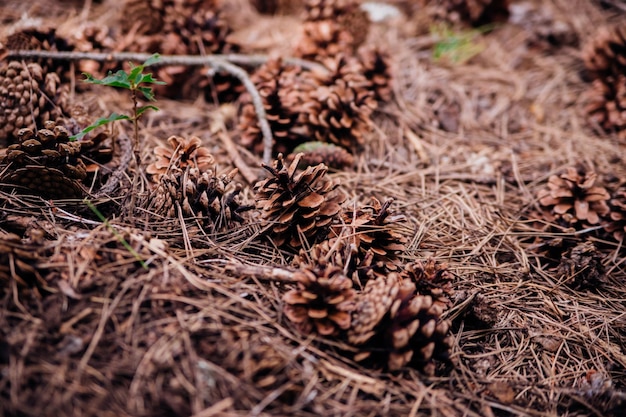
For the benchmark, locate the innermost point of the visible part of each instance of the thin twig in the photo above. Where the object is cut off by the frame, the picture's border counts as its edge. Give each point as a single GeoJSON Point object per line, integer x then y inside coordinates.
{"type": "Point", "coordinates": [216, 62]}
{"type": "Point", "coordinates": [270, 273]}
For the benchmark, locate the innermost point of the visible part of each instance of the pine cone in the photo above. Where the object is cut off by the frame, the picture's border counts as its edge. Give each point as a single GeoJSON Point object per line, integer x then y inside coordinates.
{"type": "Point", "coordinates": [28, 97]}
{"type": "Point", "coordinates": [322, 302]}
{"type": "Point", "coordinates": [180, 155]}
{"type": "Point", "coordinates": [323, 39]}
{"type": "Point", "coordinates": [616, 223]}
{"type": "Point", "coordinates": [44, 39]}
{"type": "Point", "coordinates": [46, 163]}
{"type": "Point", "coordinates": [395, 326]}
{"type": "Point", "coordinates": [201, 195]}
{"type": "Point", "coordinates": [374, 229]}
{"type": "Point", "coordinates": [315, 153]}
{"type": "Point", "coordinates": [278, 7]}
{"type": "Point", "coordinates": [581, 266]}
{"type": "Point", "coordinates": [572, 198]}
{"type": "Point", "coordinates": [377, 70]}
{"type": "Point", "coordinates": [473, 12]}
{"type": "Point", "coordinates": [606, 107]}
{"type": "Point", "coordinates": [181, 27]}
{"type": "Point", "coordinates": [431, 279]}
{"type": "Point", "coordinates": [19, 260]}
{"type": "Point", "coordinates": [284, 95]}
{"type": "Point", "coordinates": [605, 54]}
{"type": "Point", "coordinates": [90, 37]}
{"type": "Point", "coordinates": [305, 203]}
{"type": "Point", "coordinates": [341, 107]}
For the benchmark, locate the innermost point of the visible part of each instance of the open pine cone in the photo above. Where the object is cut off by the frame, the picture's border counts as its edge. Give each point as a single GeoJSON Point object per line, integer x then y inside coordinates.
{"type": "Point", "coordinates": [322, 302]}
{"type": "Point", "coordinates": [213, 200]}
{"type": "Point", "coordinates": [297, 204]}
{"type": "Point", "coordinates": [472, 12]}
{"type": "Point", "coordinates": [28, 97]}
{"type": "Point", "coordinates": [605, 54]}
{"type": "Point", "coordinates": [394, 326]}
{"type": "Point", "coordinates": [284, 94]}
{"type": "Point", "coordinates": [616, 223]}
{"type": "Point", "coordinates": [181, 154]}
{"type": "Point", "coordinates": [374, 234]}
{"type": "Point", "coordinates": [377, 70]}
{"type": "Point", "coordinates": [433, 279]}
{"type": "Point", "coordinates": [572, 197]}
{"type": "Point", "coordinates": [341, 107]}
{"type": "Point", "coordinates": [181, 27]}
{"type": "Point", "coordinates": [606, 106]}
{"type": "Point", "coordinates": [46, 163]}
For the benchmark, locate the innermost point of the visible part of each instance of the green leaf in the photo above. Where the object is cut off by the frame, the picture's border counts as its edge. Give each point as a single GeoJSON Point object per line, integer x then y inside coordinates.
{"type": "Point", "coordinates": [135, 74]}
{"type": "Point", "coordinates": [147, 92]}
{"type": "Point", "coordinates": [100, 122]}
{"type": "Point", "coordinates": [147, 78]}
{"type": "Point", "coordinates": [152, 60]}
{"type": "Point", "coordinates": [141, 110]}
{"type": "Point", "coordinates": [119, 79]}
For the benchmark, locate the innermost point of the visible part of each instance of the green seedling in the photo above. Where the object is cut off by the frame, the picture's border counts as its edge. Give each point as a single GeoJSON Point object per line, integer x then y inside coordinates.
{"type": "Point", "coordinates": [457, 47]}
{"type": "Point", "coordinates": [137, 83]}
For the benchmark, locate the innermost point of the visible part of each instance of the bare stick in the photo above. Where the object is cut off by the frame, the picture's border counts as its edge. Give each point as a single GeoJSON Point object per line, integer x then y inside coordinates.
{"type": "Point", "coordinates": [216, 62]}
{"type": "Point", "coordinates": [262, 272]}
{"type": "Point", "coordinates": [188, 60]}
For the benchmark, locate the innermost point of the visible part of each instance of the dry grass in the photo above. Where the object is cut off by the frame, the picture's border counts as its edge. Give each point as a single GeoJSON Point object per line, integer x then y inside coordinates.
{"type": "Point", "coordinates": [186, 337]}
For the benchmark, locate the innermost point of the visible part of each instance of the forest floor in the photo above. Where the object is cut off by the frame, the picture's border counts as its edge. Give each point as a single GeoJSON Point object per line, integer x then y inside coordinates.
{"type": "Point", "coordinates": [463, 149]}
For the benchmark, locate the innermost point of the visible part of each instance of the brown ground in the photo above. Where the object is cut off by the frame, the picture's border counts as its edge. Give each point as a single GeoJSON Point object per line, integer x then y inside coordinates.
{"type": "Point", "coordinates": [109, 338]}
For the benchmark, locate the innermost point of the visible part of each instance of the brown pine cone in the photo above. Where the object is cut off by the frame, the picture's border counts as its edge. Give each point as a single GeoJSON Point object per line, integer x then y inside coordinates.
{"type": "Point", "coordinates": [606, 107]}
{"type": "Point", "coordinates": [581, 267]}
{"type": "Point", "coordinates": [45, 163]}
{"type": "Point", "coordinates": [315, 153]}
{"type": "Point", "coordinates": [572, 197]}
{"type": "Point", "coordinates": [297, 204]}
{"type": "Point", "coordinates": [181, 154]}
{"type": "Point", "coordinates": [28, 97]}
{"type": "Point", "coordinates": [284, 94]}
{"type": "Point", "coordinates": [375, 234]}
{"type": "Point", "coordinates": [277, 7]}
{"type": "Point", "coordinates": [322, 302]}
{"type": "Point", "coordinates": [605, 54]}
{"type": "Point", "coordinates": [202, 195]}
{"type": "Point", "coordinates": [431, 279]}
{"type": "Point", "coordinates": [341, 107]}
{"type": "Point", "coordinates": [473, 12]}
{"type": "Point", "coordinates": [616, 222]}
{"type": "Point", "coordinates": [409, 331]}
{"type": "Point", "coordinates": [377, 71]}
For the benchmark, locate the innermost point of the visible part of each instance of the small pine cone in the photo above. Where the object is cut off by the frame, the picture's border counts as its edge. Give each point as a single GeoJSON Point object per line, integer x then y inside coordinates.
{"type": "Point", "coordinates": [431, 279]}
{"type": "Point", "coordinates": [606, 107]}
{"type": "Point", "coordinates": [44, 39]}
{"type": "Point", "coordinates": [472, 12]}
{"type": "Point", "coordinates": [46, 163]}
{"type": "Point", "coordinates": [181, 154]}
{"type": "Point", "coordinates": [341, 109]}
{"type": "Point", "coordinates": [399, 327]}
{"type": "Point", "coordinates": [201, 195]}
{"type": "Point", "coordinates": [616, 223]}
{"type": "Point", "coordinates": [605, 54]}
{"type": "Point", "coordinates": [581, 267]}
{"type": "Point", "coordinates": [322, 302]}
{"type": "Point", "coordinates": [377, 70]}
{"type": "Point", "coordinates": [374, 231]}
{"type": "Point", "coordinates": [19, 260]}
{"type": "Point", "coordinates": [305, 203]}
{"type": "Point", "coordinates": [315, 153]}
{"type": "Point", "coordinates": [323, 39]}
{"type": "Point", "coordinates": [142, 17]}
{"type": "Point", "coordinates": [572, 198]}
{"type": "Point", "coordinates": [283, 95]}
{"type": "Point", "coordinates": [277, 7]}
{"type": "Point", "coordinates": [28, 97]}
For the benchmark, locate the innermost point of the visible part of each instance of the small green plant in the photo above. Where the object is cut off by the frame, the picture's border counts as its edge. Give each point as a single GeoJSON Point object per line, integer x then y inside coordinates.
{"type": "Point", "coordinates": [457, 47]}
{"type": "Point", "coordinates": [137, 83]}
